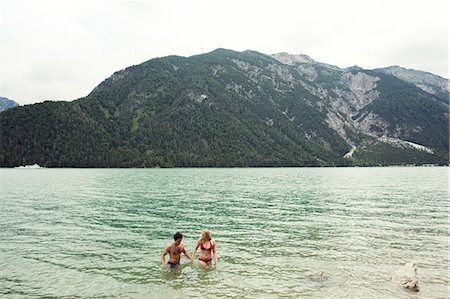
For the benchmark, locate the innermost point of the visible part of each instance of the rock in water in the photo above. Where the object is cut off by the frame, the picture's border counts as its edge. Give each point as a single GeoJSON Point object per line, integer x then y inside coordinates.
{"type": "Point", "coordinates": [406, 277]}
{"type": "Point", "coordinates": [318, 277]}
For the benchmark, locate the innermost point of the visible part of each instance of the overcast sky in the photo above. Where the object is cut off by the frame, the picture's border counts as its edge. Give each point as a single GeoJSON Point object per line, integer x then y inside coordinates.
{"type": "Point", "coordinates": [62, 50]}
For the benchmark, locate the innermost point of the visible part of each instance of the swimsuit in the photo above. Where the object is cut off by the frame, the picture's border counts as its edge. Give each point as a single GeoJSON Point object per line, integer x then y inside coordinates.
{"type": "Point", "coordinates": [172, 265]}
{"type": "Point", "coordinates": [202, 247]}
{"type": "Point", "coordinates": [206, 261]}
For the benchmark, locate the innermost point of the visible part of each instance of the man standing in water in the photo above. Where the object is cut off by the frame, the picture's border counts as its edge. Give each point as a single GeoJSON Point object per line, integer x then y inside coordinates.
{"type": "Point", "coordinates": [174, 249]}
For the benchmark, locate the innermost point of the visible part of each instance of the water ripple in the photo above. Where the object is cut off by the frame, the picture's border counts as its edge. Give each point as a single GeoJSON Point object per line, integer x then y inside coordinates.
{"type": "Point", "coordinates": [100, 232]}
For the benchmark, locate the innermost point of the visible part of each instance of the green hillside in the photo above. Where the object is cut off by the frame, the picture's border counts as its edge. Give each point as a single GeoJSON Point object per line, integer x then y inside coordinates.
{"type": "Point", "coordinates": [223, 109]}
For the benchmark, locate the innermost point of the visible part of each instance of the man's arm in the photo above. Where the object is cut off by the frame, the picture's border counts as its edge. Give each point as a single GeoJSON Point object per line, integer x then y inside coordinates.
{"type": "Point", "coordinates": [187, 254]}
{"type": "Point", "coordinates": [195, 250]}
{"type": "Point", "coordinates": [163, 256]}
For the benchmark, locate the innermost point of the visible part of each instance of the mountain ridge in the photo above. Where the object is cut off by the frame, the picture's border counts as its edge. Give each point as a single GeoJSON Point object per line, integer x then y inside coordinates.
{"type": "Point", "coordinates": [6, 104]}
{"type": "Point", "coordinates": [228, 108]}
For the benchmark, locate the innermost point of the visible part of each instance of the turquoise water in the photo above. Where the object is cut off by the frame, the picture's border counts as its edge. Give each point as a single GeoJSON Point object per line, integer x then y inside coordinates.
{"type": "Point", "coordinates": [100, 232]}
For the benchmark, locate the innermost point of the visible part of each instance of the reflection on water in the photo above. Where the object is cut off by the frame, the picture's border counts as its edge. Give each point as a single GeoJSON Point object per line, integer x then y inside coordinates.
{"type": "Point", "coordinates": [318, 233]}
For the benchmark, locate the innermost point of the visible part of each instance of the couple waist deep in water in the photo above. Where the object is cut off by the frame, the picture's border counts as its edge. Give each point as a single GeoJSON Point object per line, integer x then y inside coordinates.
{"type": "Point", "coordinates": [207, 251]}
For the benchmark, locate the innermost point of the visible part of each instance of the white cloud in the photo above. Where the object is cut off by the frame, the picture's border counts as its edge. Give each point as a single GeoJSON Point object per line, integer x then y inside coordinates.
{"type": "Point", "coordinates": [62, 50]}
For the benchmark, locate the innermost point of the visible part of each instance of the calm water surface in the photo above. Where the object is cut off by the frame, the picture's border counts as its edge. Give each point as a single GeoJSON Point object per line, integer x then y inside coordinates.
{"type": "Point", "coordinates": [100, 232]}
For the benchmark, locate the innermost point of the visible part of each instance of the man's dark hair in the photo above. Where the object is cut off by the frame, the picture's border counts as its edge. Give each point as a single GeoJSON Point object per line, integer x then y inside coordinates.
{"type": "Point", "coordinates": [178, 236]}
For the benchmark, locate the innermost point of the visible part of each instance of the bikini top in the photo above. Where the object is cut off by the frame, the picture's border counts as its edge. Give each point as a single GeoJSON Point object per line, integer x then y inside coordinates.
{"type": "Point", "coordinates": [202, 247]}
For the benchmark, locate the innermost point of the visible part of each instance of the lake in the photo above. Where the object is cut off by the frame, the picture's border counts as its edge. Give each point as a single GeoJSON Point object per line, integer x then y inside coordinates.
{"type": "Point", "coordinates": [100, 232]}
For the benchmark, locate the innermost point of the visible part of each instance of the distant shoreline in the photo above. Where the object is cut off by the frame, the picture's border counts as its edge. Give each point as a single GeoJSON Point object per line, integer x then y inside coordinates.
{"type": "Point", "coordinates": [235, 167]}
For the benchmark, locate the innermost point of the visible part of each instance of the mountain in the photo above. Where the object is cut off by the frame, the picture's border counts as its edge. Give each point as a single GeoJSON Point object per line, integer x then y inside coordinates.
{"type": "Point", "coordinates": [227, 108]}
{"type": "Point", "coordinates": [6, 104]}
{"type": "Point", "coordinates": [426, 81]}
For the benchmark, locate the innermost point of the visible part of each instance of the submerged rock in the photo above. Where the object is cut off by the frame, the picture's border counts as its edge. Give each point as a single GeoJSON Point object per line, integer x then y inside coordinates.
{"type": "Point", "coordinates": [406, 277]}
{"type": "Point", "coordinates": [318, 277]}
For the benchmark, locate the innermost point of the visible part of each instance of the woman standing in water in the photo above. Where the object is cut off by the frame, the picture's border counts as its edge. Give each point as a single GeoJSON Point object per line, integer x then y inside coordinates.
{"type": "Point", "coordinates": [207, 249]}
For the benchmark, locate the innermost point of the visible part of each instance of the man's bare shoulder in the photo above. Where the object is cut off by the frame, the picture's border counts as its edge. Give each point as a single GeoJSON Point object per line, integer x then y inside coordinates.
{"type": "Point", "coordinates": [168, 247]}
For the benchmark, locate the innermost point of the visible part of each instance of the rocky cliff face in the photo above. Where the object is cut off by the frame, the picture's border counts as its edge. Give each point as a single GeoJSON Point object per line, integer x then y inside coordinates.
{"type": "Point", "coordinates": [348, 99]}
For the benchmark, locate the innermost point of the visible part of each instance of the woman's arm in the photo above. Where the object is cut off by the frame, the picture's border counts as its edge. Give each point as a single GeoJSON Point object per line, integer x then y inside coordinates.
{"type": "Point", "coordinates": [214, 251]}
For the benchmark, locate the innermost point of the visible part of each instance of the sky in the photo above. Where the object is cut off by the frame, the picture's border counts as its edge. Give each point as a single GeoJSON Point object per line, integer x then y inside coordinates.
{"type": "Point", "coordinates": [61, 50]}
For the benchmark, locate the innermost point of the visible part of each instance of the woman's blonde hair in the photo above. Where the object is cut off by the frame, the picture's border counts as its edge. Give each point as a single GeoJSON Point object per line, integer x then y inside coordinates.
{"type": "Point", "coordinates": [205, 235]}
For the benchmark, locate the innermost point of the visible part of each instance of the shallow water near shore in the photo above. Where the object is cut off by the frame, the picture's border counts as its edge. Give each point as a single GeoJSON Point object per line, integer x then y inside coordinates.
{"type": "Point", "coordinates": [100, 232]}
